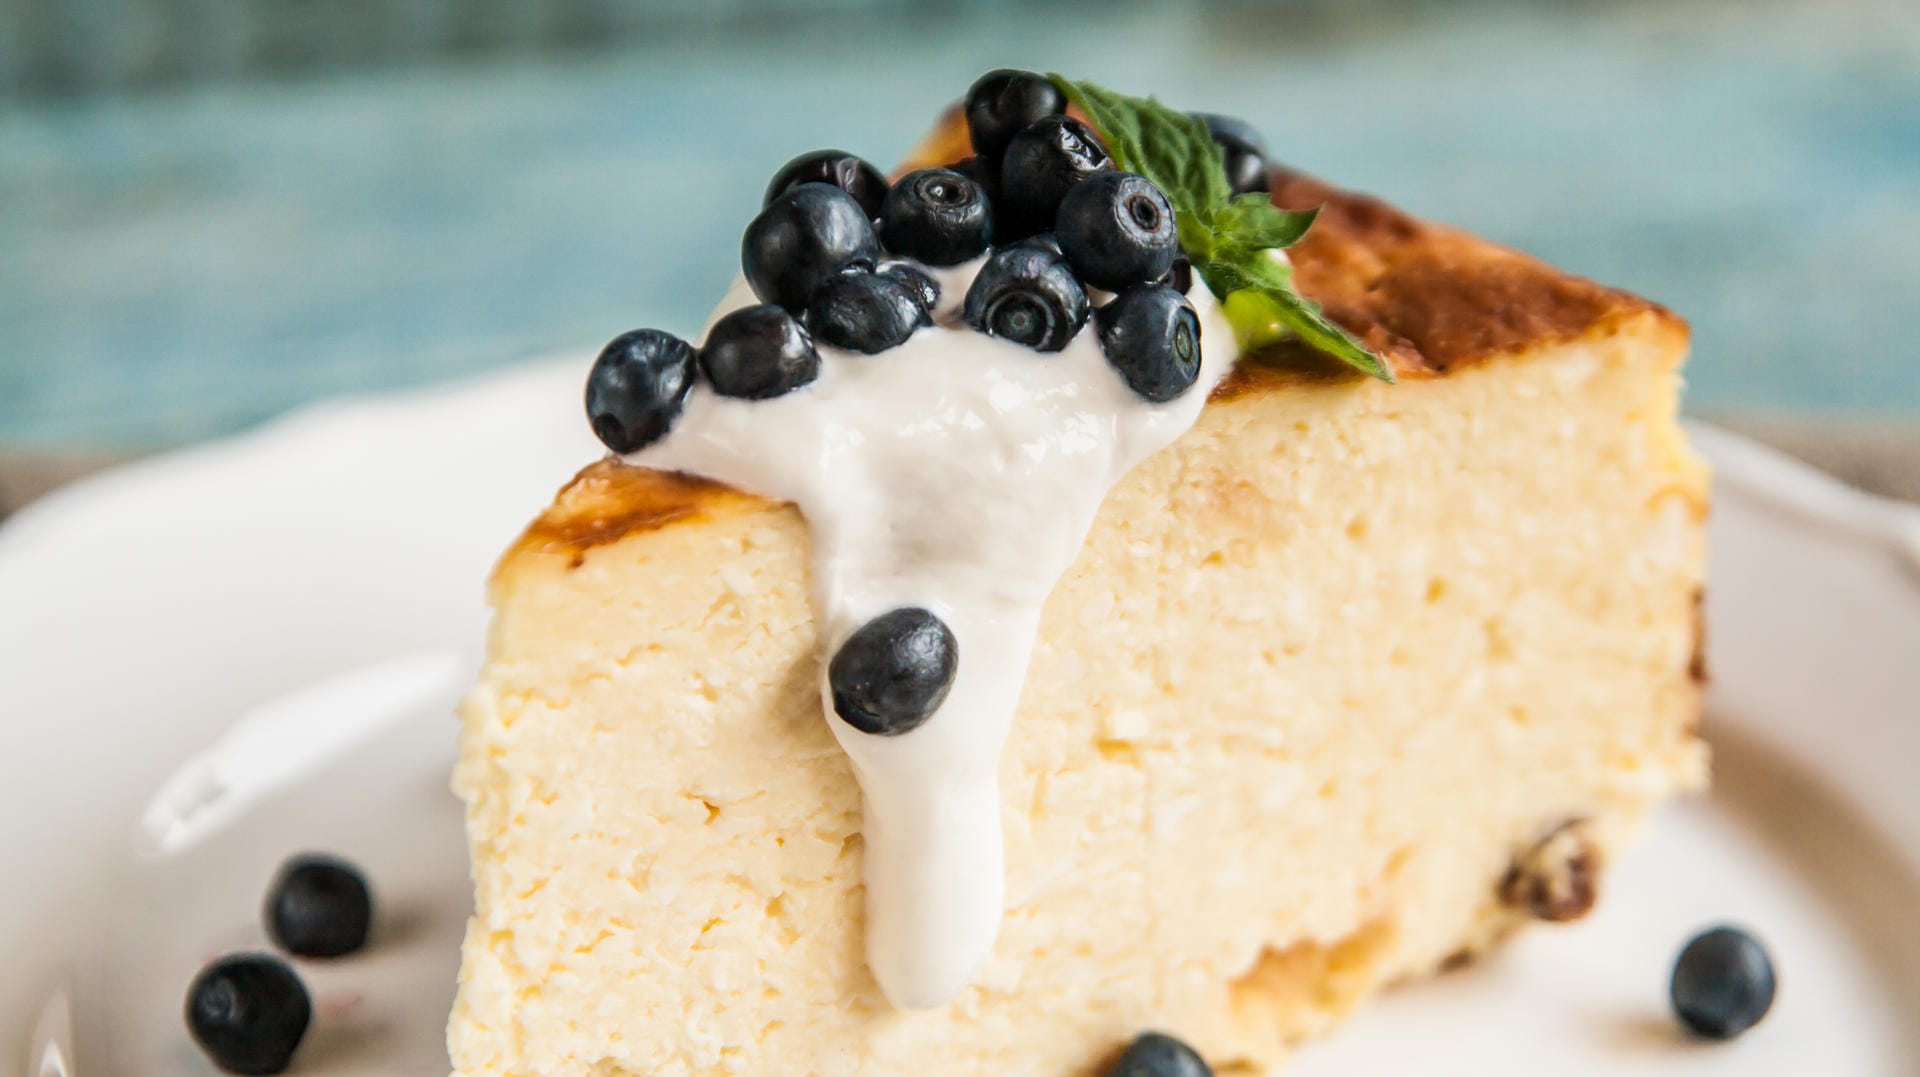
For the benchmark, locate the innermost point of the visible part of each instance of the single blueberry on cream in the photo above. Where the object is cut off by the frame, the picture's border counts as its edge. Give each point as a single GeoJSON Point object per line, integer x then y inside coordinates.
{"type": "Point", "coordinates": [758, 352]}
{"type": "Point", "coordinates": [804, 238]}
{"type": "Point", "coordinates": [1117, 229]}
{"type": "Point", "coordinates": [1026, 293]}
{"type": "Point", "coordinates": [937, 216]}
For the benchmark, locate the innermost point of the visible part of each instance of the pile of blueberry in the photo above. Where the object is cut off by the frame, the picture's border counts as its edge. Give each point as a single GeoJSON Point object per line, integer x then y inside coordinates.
{"type": "Point", "coordinates": [839, 256]}
{"type": "Point", "coordinates": [249, 1011]}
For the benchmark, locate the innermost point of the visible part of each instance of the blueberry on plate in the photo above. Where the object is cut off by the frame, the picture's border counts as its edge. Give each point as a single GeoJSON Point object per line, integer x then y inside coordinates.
{"type": "Point", "coordinates": [915, 278]}
{"type": "Point", "coordinates": [866, 312]}
{"type": "Point", "coordinates": [892, 674]}
{"type": "Point", "coordinates": [1151, 335]}
{"type": "Point", "coordinates": [836, 168]}
{"type": "Point", "coordinates": [936, 216]}
{"type": "Point", "coordinates": [1116, 229]}
{"type": "Point", "coordinates": [248, 1012]}
{"type": "Point", "coordinates": [1722, 984]}
{"type": "Point", "coordinates": [1155, 1054]}
{"type": "Point", "coordinates": [1245, 150]}
{"type": "Point", "coordinates": [1026, 293]}
{"type": "Point", "coordinates": [637, 387]}
{"type": "Point", "coordinates": [1042, 163]}
{"type": "Point", "coordinates": [758, 352]}
{"type": "Point", "coordinates": [805, 237]}
{"type": "Point", "coordinates": [1000, 104]}
{"type": "Point", "coordinates": [319, 906]}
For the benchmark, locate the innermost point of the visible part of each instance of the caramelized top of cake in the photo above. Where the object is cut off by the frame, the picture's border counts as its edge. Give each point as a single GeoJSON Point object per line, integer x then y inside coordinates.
{"type": "Point", "coordinates": [1429, 298]}
{"type": "Point", "coordinates": [609, 500]}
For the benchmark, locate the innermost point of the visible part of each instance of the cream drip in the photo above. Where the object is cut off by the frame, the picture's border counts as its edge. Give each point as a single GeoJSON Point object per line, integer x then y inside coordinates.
{"type": "Point", "coordinates": [960, 473]}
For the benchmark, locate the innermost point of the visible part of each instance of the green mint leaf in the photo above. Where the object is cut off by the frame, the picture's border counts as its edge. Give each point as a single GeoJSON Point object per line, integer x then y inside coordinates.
{"type": "Point", "coordinates": [1197, 234]}
{"type": "Point", "coordinates": [1226, 237]}
{"type": "Point", "coordinates": [1254, 223]}
{"type": "Point", "coordinates": [1258, 272]}
{"type": "Point", "coordinates": [1263, 308]}
{"type": "Point", "coordinates": [1171, 148]}
{"type": "Point", "coordinates": [1311, 324]}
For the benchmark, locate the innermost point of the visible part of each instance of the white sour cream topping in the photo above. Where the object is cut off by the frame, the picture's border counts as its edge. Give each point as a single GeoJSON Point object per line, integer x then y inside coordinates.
{"type": "Point", "coordinates": [960, 473]}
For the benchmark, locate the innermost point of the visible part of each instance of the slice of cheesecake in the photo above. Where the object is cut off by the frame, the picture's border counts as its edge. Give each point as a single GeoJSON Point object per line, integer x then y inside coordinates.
{"type": "Point", "coordinates": [1344, 685]}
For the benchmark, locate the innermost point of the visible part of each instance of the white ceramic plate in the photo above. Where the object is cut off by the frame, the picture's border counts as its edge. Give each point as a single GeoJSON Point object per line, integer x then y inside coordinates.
{"type": "Point", "coordinates": [322, 578]}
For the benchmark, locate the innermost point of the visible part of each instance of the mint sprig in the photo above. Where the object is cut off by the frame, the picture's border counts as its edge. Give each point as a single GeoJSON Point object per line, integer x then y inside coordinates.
{"type": "Point", "coordinates": [1227, 238]}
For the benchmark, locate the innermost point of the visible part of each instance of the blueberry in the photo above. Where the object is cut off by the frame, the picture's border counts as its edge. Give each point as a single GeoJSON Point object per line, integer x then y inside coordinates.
{"type": "Point", "coordinates": [1027, 294]}
{"type": "Point", "coordinates": [637, 387]}
{"type": "Point", "coordinates": [248, 1013]}
{"type": "Point", "coordinates": [866, 312]}
{"type": "Point", "coordinates": [319, 906]}
{"type": "Point", "coordinates": [1180, 275]}
{"type": "Point", "coordinates": [936, 216]}
{"type": "Point", "coordinates": [1722, 984]}
{"type": "Point", "coordinates": [1002, 103]}
{"type": "Point", "coordinates": [891, 675]}
{"type": "Point", "coordinates": [1155, 1054]}
{"type": "Point", "coordinates": [803, 239]}
{"type": "Point", "coordinates": [1151, 335]}
{"type": "Point", "coordinates": [1225, 128]}
{"type": "Point", "coordinates": [837, 168]}
{"type": "Point", "coordinates": [1044, 241]}
{"type": "Point", "coordinates": [1245, 150]}
{"type": "Point", "coordinates": [915, 278]}
{"type": "Point", "coordinates": [758, 352]}
{"type": "Point", "coordinates": [1117, 229]}
{"type": "Point", "coordinates": [984, 171]}
{"type": "Point", "coordinates": [1043, 162]}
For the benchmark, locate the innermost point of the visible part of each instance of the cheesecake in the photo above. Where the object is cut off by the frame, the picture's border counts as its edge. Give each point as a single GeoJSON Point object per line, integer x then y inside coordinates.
{"type": "Point", "coordinates": [1309, 683]}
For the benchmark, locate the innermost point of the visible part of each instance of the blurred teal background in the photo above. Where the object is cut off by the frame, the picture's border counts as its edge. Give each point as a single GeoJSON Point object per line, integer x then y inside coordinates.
{"type": "Point", "coordinates": [212, 210]}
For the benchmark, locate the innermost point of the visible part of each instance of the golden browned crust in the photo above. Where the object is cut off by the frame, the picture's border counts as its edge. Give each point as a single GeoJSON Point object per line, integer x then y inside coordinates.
{"type": "Point", "coordinates": [1430, 298]}
{"type": "Point", "coordinates": [609, 499]}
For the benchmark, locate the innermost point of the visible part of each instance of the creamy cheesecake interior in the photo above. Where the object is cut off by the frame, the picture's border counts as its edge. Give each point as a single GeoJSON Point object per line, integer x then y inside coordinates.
{"type": "Point", "coordinates": [1344, 685]}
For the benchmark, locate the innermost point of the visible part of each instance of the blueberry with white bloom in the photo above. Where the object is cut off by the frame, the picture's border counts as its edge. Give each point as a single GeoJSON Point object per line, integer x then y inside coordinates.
{"type": "Point", "coordinates": [1151, 336]}
{"type": "Point", "coordinates": [836, 168]}
{"type": "Point", "coordinates": [1028, 294]}
{"type": "Point", "coordinates": [936, 216]}
{"type": "Point", "coordinates": [890, 676]}
{"type": "Point", "coordinates": [804, 238]}
{"type": "Point", "coordinates": [866, 312]}
{"type": "Point", "coordinates": [637, 388]}
{"type": "Point", "coordinates": [758, 352]}
{"type": "Point", "coordinates": [1117, 229]}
